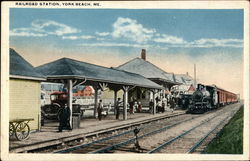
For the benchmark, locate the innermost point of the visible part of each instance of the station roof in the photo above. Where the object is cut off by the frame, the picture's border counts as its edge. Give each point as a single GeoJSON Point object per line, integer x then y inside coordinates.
{"type": "Point", "coordinates": [184, 78]}
{"type": "Point", "coordinates": [20, 68]}
{"type": "Point", "coordinates": [147, 69]}
{"type": "Point", "coordinates": [179, 79]}
{"type": "Point", "coordinates": [66, 68]}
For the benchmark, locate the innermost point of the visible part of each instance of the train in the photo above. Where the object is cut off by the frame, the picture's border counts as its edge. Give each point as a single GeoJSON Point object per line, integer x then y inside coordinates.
{"type": "Point", "coordinates": [209, 97]}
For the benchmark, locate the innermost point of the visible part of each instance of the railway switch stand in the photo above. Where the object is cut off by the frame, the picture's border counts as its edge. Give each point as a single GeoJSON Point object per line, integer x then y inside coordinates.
{"type": "Point", "coordinates": [137, 145]}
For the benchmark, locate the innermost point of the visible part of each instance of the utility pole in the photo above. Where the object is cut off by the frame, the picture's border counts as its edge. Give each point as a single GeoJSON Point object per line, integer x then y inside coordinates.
{"type": "Point", "coordinates": [195, 76]}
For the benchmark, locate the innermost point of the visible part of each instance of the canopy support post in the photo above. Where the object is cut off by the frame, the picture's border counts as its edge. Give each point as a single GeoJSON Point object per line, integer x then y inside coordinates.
{"type": "Point", "coordinates": [125, 103]}
{"type": "Point", "coordinates": [115, 101]}
{"type": "Point", "coordinates": [70, 99]}
{"type": "Point", "coordinates": [96, 100]}
{"type": "Point", "coordinates": [154, 100]}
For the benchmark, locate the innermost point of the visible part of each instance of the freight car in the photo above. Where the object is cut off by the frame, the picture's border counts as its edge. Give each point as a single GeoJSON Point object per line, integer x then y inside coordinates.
{"type": "Point", "coordinates": [210, 97]}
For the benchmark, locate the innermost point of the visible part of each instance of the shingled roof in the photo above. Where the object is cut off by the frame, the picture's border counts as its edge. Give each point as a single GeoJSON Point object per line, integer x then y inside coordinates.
{"type": "Point", "coordinates": [179, 79]}
{"type": "Point", "coordinates": [69, 68]}
{"type": "Point", "coordinates": [184, 78]}
{"type": "Point", "coordinates": [20, 68]}
{"type": "Point", "coordinates": [147, 69]}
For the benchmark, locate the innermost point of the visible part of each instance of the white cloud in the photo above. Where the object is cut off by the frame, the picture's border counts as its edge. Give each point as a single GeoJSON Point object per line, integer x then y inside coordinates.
{"type": "Point", "coordinates": [169, 39]}
{"type": "Point", "coordinates": [129, 29]}
{"type": "Point", "coordinates": [172, 41]}
{"type": "Point", "coordinates": [102, 33]}
{"type": "Point", "coordinates": [54, 28]}
{"type": "Point", "coordinates": [44, 28]}
{"type": "Point", "coordinates": [70, 37]}
{"type": "Point", "coordinates": [100, 39]}
{"type": "Point", "coordinates": [26, 32]}
{"type": "Point", "coordinates": [208, 43]}
{"type": "Point", "coordinates": [114, 45]}
{"type": "Point", "coordinates": [86, 37]}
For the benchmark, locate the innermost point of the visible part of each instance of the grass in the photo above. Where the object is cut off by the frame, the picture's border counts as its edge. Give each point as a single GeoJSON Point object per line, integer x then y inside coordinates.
{"type": "Point", "coordinates": [230, 139]}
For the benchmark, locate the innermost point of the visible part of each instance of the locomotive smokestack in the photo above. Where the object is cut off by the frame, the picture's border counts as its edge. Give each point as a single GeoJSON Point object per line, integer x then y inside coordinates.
{"type": "Point", "coordinates": [143, 54]}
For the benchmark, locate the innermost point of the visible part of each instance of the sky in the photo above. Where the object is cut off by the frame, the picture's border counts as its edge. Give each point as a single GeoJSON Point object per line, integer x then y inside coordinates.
{"type": "Point", "coordinates": [175, 39]}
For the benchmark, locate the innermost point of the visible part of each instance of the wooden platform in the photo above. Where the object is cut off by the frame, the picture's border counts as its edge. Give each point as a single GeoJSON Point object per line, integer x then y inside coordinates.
{"type": "Point", "coordinates": [89, 127]}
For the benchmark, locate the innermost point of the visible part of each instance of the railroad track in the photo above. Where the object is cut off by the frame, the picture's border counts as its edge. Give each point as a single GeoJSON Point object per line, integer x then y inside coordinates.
{"type": "Point", "coordinates": [55, 144]}
{"type": "Point", "coordinates": [110, 142]}
{"type": "Point", "coordinates": [120, 141]}
{"type": "Point", "coordinates": [186, 139]}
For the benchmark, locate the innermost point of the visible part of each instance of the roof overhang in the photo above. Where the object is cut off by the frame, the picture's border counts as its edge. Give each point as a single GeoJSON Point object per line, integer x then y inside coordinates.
{"type": "Point", "coordinates": [27, 77]}
{"type": "Point", "coordinates": [164, 80]}
{"type": "Point", "coordinates": [59, 77]}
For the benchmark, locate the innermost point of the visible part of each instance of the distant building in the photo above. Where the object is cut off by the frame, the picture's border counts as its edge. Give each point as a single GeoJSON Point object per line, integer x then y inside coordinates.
{"type": "Point", "coordinates": [48, 88]}
{"type": "Point", "coordinates": [186, 86]}
{"type": "Point", "coordinates": [83, 91]}
{"type": "Point", "coordinates": [79, 92]}
{"type": "Point", "coordinates": [184, 79]}
{"type": "Point", "coordinates": [24, 91]}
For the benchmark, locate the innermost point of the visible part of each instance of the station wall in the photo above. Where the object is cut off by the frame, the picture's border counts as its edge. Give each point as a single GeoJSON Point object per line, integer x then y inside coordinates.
{"type": "Point", "coordinates": [25, 101]}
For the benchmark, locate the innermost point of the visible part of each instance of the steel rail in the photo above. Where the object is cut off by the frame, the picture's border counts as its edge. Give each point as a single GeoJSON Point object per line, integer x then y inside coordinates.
{"type": "Point", "coordinates": [124, 133]}
{"type": "Point", "coordinates": [181, 135]}
{"type": "Point", "coordinates": [133, 139]}
{"type": "Point", "coordinates": [114, 136]}
{"type": "Point", "coordinates": [94, 142]}
{"type": "Point", "coordinates": [216, 135]}
{"type": "Point", "coordinates": [193, 148]}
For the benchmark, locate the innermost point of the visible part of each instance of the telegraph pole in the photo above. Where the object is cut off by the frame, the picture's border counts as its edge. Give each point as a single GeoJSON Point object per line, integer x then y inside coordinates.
{"type": "Point", "coordinates": [195, 76]}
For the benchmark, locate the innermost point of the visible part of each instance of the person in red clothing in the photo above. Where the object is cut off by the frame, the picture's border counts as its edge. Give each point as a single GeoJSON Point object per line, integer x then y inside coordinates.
{"type": "Point", "coordinates": [139, 107]}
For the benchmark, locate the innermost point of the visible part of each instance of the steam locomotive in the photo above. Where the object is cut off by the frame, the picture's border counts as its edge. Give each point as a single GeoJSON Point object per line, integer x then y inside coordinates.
{"type": "Point", "coordinates": [206, 98]}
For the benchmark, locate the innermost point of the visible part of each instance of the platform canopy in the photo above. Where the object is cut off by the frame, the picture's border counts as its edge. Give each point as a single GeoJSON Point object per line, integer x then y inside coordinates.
{"type": "Point", "coordinates": [66, 68]}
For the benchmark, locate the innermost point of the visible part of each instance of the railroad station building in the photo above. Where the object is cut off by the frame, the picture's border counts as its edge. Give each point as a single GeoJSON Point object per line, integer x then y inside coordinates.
{"type": "Point", "coordinates": [152, 72]}
{"type": "Point", "coordinates": [24, 90]}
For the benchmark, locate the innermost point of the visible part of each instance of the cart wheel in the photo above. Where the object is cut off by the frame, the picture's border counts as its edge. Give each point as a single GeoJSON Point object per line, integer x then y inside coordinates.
{"type": "Point", "coordinates": [11, 129]}
{"type": "Point", "coordinates": [22, 131]}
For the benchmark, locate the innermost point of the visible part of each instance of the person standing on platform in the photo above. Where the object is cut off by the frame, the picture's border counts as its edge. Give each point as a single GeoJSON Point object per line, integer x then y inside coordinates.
{"type": "Point", "coordinates": [172, 103]}
{"type": "Point", "coordinates": [131, 107]}
{"type": "Point", "coordinates": [151, 106]}
{"type": "Point", "coordinates": [118, 104]}
{"type": "Point", "coordinates": [99, 110]}
{"type": "Point", "coordinates": [139, 107]}
{"type": "Point", "coordinates": [64, 119]}
{"type": "Point", "coordinates": [135, 108]}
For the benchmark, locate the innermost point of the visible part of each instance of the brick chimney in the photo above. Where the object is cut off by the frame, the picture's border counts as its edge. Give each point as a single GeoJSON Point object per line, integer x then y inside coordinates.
{"type": "Point", "coordinates": [143, 54]}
